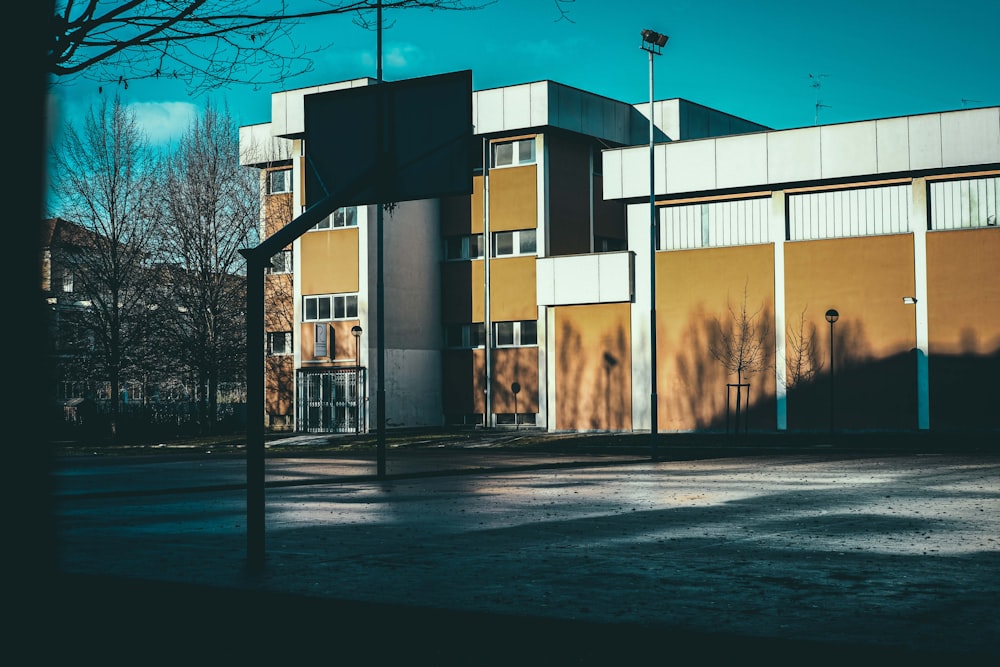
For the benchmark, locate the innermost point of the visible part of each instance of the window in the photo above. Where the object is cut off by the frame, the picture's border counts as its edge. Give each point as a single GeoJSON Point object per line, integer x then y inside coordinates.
{"type": "Point", "coordinates": [521, 242]}
{"type": "Point", "coordinates": [279, 342]}
{"type": "Point", "coordinates": [281, 262]}
{"type": "Point", "coordinates": [279, 181]}
{"type": "Point", "coordinates": [330, 307]}
{"type": "Point", "coordinates": [464, 247]}
{"type": "Point", "coordinates": [67, 280]}
{"type": "Point", "coordinates": [342, 217]}
{"type": "Point", "coordinates": [516, 334]}
{"type": "Point", "coordinates": [514, 153]}
{"type": "Point", "coordinates": [465, 335]}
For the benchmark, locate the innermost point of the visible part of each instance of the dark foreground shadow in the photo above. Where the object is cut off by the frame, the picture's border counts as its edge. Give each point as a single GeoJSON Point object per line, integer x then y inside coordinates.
{"type": "Point", "coordinates": [119, 621]}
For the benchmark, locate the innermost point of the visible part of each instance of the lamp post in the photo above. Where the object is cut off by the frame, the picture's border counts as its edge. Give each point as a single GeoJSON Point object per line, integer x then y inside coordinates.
{"type": "Point", "coordinates": [652, 43]}
{"type": "Point", "coordinates": [831, 317]}
{"type": "Point", "coordinates": [356, 331]}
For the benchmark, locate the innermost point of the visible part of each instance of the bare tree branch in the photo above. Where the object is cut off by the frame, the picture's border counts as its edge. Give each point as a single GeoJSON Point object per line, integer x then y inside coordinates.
{"type": "Point", "coordinates": [204, 43]}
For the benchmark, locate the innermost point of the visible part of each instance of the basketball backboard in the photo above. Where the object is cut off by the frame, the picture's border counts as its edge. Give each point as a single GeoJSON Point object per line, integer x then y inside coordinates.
{"type": "Point", "coordinates": [425, 142]}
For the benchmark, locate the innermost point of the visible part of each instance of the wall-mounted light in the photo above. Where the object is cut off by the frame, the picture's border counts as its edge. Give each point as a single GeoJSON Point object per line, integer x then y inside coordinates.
{"type": "Point", "coordinates": [909, 300]}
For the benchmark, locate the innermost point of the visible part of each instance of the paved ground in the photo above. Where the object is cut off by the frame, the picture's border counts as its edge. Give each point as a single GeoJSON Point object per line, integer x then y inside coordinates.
{"type": "Point", "coordinates": [543, 557]}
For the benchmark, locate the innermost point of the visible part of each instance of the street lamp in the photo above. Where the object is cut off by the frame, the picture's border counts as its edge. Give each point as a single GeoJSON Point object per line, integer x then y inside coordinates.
{"type": "Point", "coordinates": [652, 43]}
{"type": "Point", "coordinates": [831, 317]}
{"type": "Point", "coordinates": [356, 331]}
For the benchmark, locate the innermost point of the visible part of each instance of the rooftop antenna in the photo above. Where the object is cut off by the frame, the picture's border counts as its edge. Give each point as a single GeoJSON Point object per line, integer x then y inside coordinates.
{"type": "Point", "coordinates": [816, 80]}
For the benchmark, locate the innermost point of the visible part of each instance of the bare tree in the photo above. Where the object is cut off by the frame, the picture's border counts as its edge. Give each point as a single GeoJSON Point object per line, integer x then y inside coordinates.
{"type": "Point", "coordinates": [103, 175]}
{"type": "Point", "coordinates": [204, 43]}
{"type": "Point", "coordinates": [209, 207]}
{"type": "Point", "coordinates": [740, 344]}
{"type": "Point", "coordinates": [803, 361]}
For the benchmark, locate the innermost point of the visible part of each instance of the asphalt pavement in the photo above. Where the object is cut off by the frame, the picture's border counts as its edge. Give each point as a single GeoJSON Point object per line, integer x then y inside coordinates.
{"type": "Point", "coordinates": [575, 551]}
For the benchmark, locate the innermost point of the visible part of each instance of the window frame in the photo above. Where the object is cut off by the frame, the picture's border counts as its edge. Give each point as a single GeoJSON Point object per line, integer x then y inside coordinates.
{"type": "Point", "coordinates": [348, 302]}
{"type": "Point", "coordinates": [349, 217]}
{"type": "Point", "coordinates": [287, 178]}
{"type": "Point", "coordinates": [467, 333]}
{"type": "Point", "coordinates": [288, 347]}
{"type": "Point", "coordinates": [516, 150]}
{"type": "Point", "coordinates": [465, 251]}
{"type": "Point", "coordinates": [517, 333]}
{"type": "Point", "coordinates": [516, 243]}
{"type": "Point", "coordinates": [285, 263]}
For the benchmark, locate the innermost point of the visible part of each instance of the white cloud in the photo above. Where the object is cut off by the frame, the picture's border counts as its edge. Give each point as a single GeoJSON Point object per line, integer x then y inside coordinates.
{"type": "Point", "coordinates": [164, 122]}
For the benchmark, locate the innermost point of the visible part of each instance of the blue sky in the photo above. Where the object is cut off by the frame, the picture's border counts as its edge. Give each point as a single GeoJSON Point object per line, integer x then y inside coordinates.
{"type": "Point", "coordinates": [752, 59]}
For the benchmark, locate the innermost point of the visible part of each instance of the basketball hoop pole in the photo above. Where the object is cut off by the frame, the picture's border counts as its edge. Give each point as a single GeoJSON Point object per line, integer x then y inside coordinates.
{"type": "Point", "coordinates": [380, 284]}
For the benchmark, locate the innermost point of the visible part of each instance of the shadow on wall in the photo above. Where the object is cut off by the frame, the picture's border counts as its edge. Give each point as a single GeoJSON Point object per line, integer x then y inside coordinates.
{"type": "Point", "coordinates": [697, 395]}
{"type": "Point", "coordinates": [593, 383]}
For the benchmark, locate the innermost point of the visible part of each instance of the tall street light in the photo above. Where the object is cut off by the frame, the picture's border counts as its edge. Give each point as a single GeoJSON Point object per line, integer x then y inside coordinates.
{"type": "Point", "coordinates": [831, 317]}
{"type": "Point", "coordinates": [652, 43]}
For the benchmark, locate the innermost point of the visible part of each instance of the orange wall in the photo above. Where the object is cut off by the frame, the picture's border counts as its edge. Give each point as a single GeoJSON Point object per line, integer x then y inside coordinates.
{"type": "Point", "coordinates": [510, 365]}
{"type": "Point", "coordinates": [340, 342]}
{"type": "Point", "coordinates": [280, 384]}
{"type": "Point", "coordinates": [512, 289]}
{"type": "Point", "coordinates": [329, 261]}
{"type": "Point", "coordinates": [513, 198]}
{"type": "Point", "coordinates": [694, 290]}
{"type": "Point", "coordinates": [865, 280]}
{"type": "Point", "coordinates": [964, 327]}
{"type": "Point", "coordinates": [593, 367]}
{"type": "Point", "coordinates": [963, 291]}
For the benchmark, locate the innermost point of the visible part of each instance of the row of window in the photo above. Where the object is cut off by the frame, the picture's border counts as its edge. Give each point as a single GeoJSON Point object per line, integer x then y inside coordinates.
{"type": "Point", "coordinates": [329, 307]}
{"type": "Point", "coordinates": [505, 244]}
{"type": "Point", "coordinates": [505, 334]}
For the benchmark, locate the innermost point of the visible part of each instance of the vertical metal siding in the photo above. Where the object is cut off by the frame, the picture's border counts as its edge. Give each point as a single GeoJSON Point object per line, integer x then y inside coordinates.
{"type": "Point", "coordinates": [714, 224]}
{"type": "Point", "coordinates": [965, 204]}
{"type": "Point", "coordinates": [845, 213]}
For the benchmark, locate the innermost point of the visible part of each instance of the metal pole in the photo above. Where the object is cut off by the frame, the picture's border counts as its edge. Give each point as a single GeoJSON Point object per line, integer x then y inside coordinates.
{"type": "Point", "coordinates": [380, 282]}
{"type": "Point", "coordinates": [653, 406]}
{"type": "Point", "coordinates": [831, 377]}
{"type": "Point", "coordinates": [255, 413]}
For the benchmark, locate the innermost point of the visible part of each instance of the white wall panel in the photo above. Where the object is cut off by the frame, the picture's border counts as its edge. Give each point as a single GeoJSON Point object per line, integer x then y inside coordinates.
{"type": "Point", "coordinates": [794, 155]}
{"type": "Point", "coordinates": [848, 150]}
{"type": "Point", "coordinates": [971, 138]}
{"type": "Point", "coordinates": [516, 106]}
{"type": "Point", "coordinates": [925, 141]}
{"type": "Point", "coordinates": [892, 142]}
{"type": "Point", "coordinates": [539, 93]}
{"type": "Point", "coordinates": [690, 167]}
{"type": "Point", "coordinates": [741, 160]}
{"type": "Point", "coordinates": [579, 279]}
{"type": "Point", "coordinates": [489, 110]}
{"type": "Point", "coordinates": [845, 213]}
{"type": "Point", "coordinates": [635, 172]}
{"type": "Point", "coordinates": [612, 169]}
{"type": "Point", "coordinates": [964, 204]}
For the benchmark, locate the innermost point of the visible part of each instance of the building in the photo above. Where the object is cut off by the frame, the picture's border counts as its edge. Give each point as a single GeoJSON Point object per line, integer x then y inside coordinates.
{"type": "Point", "coordinates": [528, 302]}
